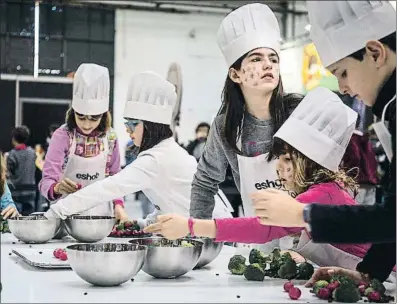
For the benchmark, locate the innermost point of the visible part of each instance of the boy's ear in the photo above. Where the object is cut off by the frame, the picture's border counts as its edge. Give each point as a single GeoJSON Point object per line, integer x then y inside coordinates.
{"type": "Point", "coordinates": [377, 51]}
{"type": "Point", "coordinates": [234, 76]}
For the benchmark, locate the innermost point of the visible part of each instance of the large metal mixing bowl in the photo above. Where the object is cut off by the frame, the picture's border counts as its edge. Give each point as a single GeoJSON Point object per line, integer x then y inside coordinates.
{"type": "Point", "coordinates": [211, 250]}
{"type": "Point", "coordinates": [106, 264]}
{"type": "Point", "coordinates": [167, 259]}
{"type": "Point", "coordinates": [33, 228]}
{"type": "Point", "coordinates": [89, 229]}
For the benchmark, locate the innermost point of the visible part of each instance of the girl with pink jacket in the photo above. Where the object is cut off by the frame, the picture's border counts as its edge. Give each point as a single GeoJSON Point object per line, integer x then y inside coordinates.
{"type": "Point", "coordinates": [309, 147]}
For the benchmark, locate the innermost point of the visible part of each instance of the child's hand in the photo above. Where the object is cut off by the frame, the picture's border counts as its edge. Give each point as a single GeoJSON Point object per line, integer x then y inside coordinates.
{"type": "Point", "coordinates": [171, 226]}
{"type": "Point", "coordinates": [10, 211]}
{"type": "Point", "coordinates": [120, 214]}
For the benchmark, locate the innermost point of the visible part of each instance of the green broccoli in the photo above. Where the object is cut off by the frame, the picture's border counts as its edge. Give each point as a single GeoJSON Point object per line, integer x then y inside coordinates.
{"type": "Point", "coordinates": [346, 293]}
{"type": "Point", "coordinates": [237, 264]}
{"type": "Point", "coordinates": [239, 269]}
{"type": "Point", "coordinates": [257, 256]}
{"type": "Point", "coordinates": [285, 257]}
{"type": "Point", "coordinates": [342, 280]}
{"type": "Point", "coordinates": [287, 270]}
{"type": "Point", "coordinates": [275, 255]}
{"type": "Point", "coordinates": [254, 272]}
{"type": "Point", "coordinates": [4, 225]}
{"type": "Point", "coordinates": [318, 285]}
{"type": "Point", "coordinates": [378, 286]}
{"type": "Point", "coordinates": [305, 271]}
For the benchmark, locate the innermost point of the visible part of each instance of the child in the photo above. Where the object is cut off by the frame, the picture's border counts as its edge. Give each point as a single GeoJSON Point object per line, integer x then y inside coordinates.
{"type": "Point", "coordinates": [163, 170]}
{"type": "Point", "coordinates": [310, 146]}
{"type": "Point", "coordinates": [85, 150]}
{"type": "Point", "coordinates": [8, 208]}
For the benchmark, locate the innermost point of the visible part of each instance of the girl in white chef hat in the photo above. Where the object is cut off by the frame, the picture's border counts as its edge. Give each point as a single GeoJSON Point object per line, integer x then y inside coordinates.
{"type": "Point", "coordinates": [310, 146]}
{"type": "Point", "coordinates": [163, 170]}
{"type": "Point", "coordinates": [85, 149]}
{"type": "Point", "coordinates": [254, 107]}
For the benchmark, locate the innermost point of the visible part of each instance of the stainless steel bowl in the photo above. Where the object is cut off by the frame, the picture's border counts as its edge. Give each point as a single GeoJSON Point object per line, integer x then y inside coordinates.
{"type": "Point", "coordinates": [89, 229]}
{"type": "Point", "coordinates": [167, 259]}
{"type": "Point", "coordinates": [211, 250]}
{"type": "Point", "coordinates": [106, 264]}
{"type": "Point", "coordinates": [34, 228]}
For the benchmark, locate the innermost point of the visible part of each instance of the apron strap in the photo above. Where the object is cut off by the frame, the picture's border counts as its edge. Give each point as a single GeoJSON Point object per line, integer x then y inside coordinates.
{"type": "Point", "coordinates": [73, 144]}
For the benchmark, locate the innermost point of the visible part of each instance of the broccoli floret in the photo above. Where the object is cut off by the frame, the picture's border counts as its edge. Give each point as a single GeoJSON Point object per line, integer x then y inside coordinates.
{"type": "Point", "coordinates": [285, 257]}
{"type": "Point", "coordinates": [257, 256]}
{"type": "Point", "coordinates": [342, 280]}
{"type": "Point", "coordinates": [239, 269]}
{"type": "Point", "coordinates": [254, 272]}
{"type": "Point", "coordinates": [346, 293]}
{"type": "Point", "coordinates": [287, 270]}
{"type": "Point", "coordinates": [271, 273]}
{"type": "Point", "coordinates": [378, 286]}
{"type": "Point", "coordinates": [237, 264]}
{"type": "Point", "coordinates": [275, 255]}
{"type": "Point", "coordinates": [305, 271]}
{"type": "Point", "coordinates": [186, 244]}
{"type": "Point", "coordinates": [318, 285]}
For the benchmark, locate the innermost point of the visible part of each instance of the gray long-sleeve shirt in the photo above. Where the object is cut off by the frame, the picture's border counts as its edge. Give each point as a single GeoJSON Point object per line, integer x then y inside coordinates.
{"type": "Point", "coordinates": [256, 139]}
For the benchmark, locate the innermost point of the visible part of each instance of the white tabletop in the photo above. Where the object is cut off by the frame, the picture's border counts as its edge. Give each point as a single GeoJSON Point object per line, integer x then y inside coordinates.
{"type": "Point", "coordinates": [25, 284]}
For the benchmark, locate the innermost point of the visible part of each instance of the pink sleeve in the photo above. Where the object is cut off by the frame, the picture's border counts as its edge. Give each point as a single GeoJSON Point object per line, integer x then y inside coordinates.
{"type": "Point", "coordinates": [54, 159]}
{"type": "Point", "coordinates": [249, 230]}
{"type": "Point", "coordinates": [114, 167]}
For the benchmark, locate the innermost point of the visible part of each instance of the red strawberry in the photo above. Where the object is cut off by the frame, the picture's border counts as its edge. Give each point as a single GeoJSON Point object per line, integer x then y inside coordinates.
{"type": "Point", "coordinates": [332, 286]}
{"type": "Point", "coordinates": [324, 293]}
{"type": "Point", "coordinates": [294, 293]}
{"type": "Point", "coordinates": [288, 286]}
{"type": "Point", "coordinates": [374, 296]}
{"type": "Point", "coordinates": [57, 252]}
{"type": "Point", "coordinates": [362, 288]}
{"type": "Point", "coordinates": [63, 256]}
{"type": "Point", "coordinates": [128, 224]}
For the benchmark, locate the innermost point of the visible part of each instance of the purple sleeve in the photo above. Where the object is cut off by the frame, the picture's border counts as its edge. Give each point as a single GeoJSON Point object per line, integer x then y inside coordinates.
{"type": "Point", "coordinates": [54, 159]}
{"type": "Point", "coordinates": [114, 167]}
{"type": "Point", "coordinates": [249, 230]}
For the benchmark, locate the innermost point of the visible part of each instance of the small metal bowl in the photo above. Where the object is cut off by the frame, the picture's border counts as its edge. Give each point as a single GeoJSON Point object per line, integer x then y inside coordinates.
{"type": "Point", "coordinates": [106, 264]}
{"type": "Point", "coordinates": [89, 229]}
{"type": "Point", "coordinates": [167, 259]}
{"type": "Point", "coordinates": [211, 250]}
{"type": "Point", "coordinates": [33, 228]}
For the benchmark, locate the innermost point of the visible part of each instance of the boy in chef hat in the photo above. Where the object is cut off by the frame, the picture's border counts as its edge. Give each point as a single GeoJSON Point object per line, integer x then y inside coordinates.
{"type": "Point", "coordinates": [163, 170]}
{"type": "Point", "coordinates": [310, 146]}
{"type": "Point", "coordinates": [85, 149]}
{"type": "Point", "coordinates": [356, 41]}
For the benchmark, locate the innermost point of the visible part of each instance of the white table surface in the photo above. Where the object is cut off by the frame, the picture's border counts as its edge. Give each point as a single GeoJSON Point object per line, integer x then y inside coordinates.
{"type": "Point", "coordinates": [25, 284]}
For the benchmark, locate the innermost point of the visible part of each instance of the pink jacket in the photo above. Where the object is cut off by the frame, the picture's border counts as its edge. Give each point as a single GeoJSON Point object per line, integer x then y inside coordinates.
{"type": "Point", "coordinates": [56, 159]}
{"type": "Point", "coordinates": [249, 230]}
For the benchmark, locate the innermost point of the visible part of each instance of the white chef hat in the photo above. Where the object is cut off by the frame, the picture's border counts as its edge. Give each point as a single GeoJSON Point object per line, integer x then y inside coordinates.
{"type": "Point", "coordinates": [249, 27]}
{"type": "Point", "coordinates": [320, 127]}
{"type": "Point", "coordinates": [150, 97]}
{"type": "Point", "coordinates": [91, 87]}
{"type": "Point", "coordinates": [340, 28]}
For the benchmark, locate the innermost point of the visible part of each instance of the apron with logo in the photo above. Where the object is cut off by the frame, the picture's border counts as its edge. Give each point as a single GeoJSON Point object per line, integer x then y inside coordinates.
{"type": "Point", "coordinates": [383, 133]}
{"type": "Point", "coordinates": [86, 171]}
{"type": "Point", "coordinates": [256, 173]}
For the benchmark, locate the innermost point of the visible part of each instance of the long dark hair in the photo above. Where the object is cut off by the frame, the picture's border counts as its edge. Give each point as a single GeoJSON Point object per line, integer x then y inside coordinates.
{"type": "Point", "coordinates": [153, 134]}
{"type": "Point", "coordinates": [233, 105]}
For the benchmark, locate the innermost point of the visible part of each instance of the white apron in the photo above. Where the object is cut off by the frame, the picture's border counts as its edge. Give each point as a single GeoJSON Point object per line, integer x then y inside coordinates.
{"type": "Point", "coordinates": [383, 133]}
{"type": "Point", "coordinates": [86, 171]}
{"type": "Point", "coordinates": [256, 173]}
{"type": "Point", "coordinates": [223, 208]}
{"type": "Point", "coordinates": [325, 255]}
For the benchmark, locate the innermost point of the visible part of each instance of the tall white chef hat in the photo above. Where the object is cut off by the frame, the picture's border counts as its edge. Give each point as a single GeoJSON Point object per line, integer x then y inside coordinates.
{"type": "Point", "coordinates": [340, 28]}
{"type": "Point", "coordinates": [249, 27]}
{"type": "Point", "coordinates": [320, 128]}
{"type": "Point", "coordinates": [150, 97]}
{"type": "Point", "coordinates": [91, 87]}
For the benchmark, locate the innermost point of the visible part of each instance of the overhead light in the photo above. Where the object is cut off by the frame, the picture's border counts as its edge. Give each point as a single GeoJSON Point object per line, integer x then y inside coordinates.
{"type": "Point", "coordinates": [308, 27]}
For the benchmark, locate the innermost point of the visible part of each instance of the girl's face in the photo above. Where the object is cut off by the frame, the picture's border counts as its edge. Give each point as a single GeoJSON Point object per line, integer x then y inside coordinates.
{"type": "Point", "coordinates": [135, 129]}
{"type": "Point", "coordinates": [285, 171]}
{"type": "Point", "coordinates": [260, 70]}
{"type": "Point", "coordinates": [87, 123]}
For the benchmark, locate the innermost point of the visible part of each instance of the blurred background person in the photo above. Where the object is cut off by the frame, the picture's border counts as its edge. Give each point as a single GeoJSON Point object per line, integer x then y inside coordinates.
{"type": "Point", "coordinates": [196, 146]}
{"type": "Point", "coordinates": [21, 170]}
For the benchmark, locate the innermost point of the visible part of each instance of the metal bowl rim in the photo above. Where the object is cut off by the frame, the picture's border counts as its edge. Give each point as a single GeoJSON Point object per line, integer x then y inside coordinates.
{"type": "Point", "coordinates": [89, 217]}
{"type": "Point", "coordinates": [198, 242]}
{"type": "Point", "coordinates": [73, 247]}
